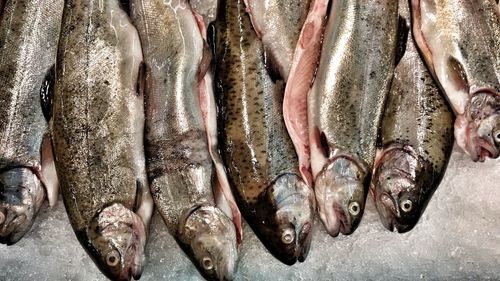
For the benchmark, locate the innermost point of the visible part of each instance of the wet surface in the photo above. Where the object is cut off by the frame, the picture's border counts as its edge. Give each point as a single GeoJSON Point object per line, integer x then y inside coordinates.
{"type": "Point", "coordinates": [457, 238]}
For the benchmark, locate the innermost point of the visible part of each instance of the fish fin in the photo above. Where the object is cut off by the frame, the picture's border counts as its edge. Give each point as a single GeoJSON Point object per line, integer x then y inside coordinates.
{"type": "Point", "coordinates": [249, 10]}
{"type": "Point", "coordinates": [272, 65]}
{"type": "Point", "coordinates": [206, 58]}
{"type": "Point", "coordinates": [222, 190]}
{"type": "Point", "coordinates": [48, 175]}
{"type": "Point", "coordinates": [300, 80]}
{"type": "Point", "coordinates": [143, 202]}
{"type": "Point", "coordinates": [403, 32]}
{"type": "Point", "coordinates": [140, 87]}
{"type": "Point", "coordinates": [458, 76]}
{"type": "Point", "coordinates": [47, 93]}
{"type": "Point", "coordinates": [419, 36]}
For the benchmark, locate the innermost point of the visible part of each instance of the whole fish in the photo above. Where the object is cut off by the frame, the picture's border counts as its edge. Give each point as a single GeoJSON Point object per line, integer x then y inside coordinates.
{"type": "Point", "coordinates": [417, 138]}
{"type": "Point", "coordinates": [278, 24]}
{"type": "Point", "coordinates": [179, 160]}
{"type": "Point", "coordinates": [346, 104]}
{"type": "Point", "coordinates": [29, 33]}
{"type": "Point", "coordinates": [98, 123]}
{"type": "Point", "coordinates": [258, 153]}
{"type": "Point", "coordinates": [460, 41]}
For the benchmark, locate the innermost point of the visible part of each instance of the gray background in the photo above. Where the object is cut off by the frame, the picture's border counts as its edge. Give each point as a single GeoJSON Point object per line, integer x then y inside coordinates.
{"type": "Point", "coordinates": [457, 238]}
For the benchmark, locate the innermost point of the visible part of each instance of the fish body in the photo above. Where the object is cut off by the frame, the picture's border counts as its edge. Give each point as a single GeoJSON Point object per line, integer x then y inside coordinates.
{"type": "Point", "coordinates": [259, 155]}
{"type": "Point", "coordinates": [346, 104]}
{"type": "Point", "coordinates": [29, 33]}
{"type": "Point", "coordinates": [416, 138]}
{"type": "Point", "coordinates": [98, 122]}
{"type": "Point", "coordinates": [460, 42]}
{"type": "Point", "coordinates": [179, 160]}
{"type": "Point", "coordinates": [278, 24]}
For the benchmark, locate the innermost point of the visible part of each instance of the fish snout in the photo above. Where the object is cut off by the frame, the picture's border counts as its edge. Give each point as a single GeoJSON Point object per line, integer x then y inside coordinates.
{"type": "Point", "coordinates": [22, 196]}
{"type": "Point", "coordinates": [478, 130]}
{"type": "Point", "coordinates": [341, 190]}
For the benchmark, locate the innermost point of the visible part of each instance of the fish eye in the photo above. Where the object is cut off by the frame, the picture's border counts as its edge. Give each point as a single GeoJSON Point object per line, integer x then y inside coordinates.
{"type": "Point", "coordinates": [406, 205]}
{"type": "Point", "coordinates": [113, 258]}
{"type": "Point", "coordinates": [288, 236]}
{"type": "Point", "coordinates": [354, 208]}
{"type": "Point", "coordinates": [496, 136]}
{"type": "Point", "coordinates": [207, 263]}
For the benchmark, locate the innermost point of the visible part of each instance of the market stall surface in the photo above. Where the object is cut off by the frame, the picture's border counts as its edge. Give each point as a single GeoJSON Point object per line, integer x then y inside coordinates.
{"type": "Point", "coordinates": [457, 238]}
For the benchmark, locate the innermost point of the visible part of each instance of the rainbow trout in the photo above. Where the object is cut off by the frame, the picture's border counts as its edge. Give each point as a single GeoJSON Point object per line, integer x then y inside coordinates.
{"type": "Point", "coordinates": [98, 123]}
{"type": "Point", "coordinates": [178, 150]}
{"type": "Point", "coordinates": [460, 42]}
{"type": "Point", "coordinates": [29, 33]}
{"type": "Point", "coordinates": [346, 105]}
{"type": "Point", "coordinates": [259, 155]}
{"type": "Point", "coordinates": [417, 138]}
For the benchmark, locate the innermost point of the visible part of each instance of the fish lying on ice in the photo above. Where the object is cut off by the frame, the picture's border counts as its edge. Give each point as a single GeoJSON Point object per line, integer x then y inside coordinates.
{"type": "Point", "coordinates": [29, 33]}
{"type": "Point", "coordinates": [460, 41]}
{"type": "Point", "coordinates": [259, 155]}
{"type": "Point", "coordinates": [416, 138]}
{"type": "Point", "coordinates": [345, 106]}
{"type": "Point", "coordinates": [178, 104]}
{"type": "Point", "coordinates": [98, 123]}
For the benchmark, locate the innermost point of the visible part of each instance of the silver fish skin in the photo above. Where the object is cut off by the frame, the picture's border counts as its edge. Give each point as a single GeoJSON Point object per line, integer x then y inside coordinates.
{"type": "Point", "coordinates": [207, 9]}
{"type": "Point", "coordinates": [346, 104]}
{"type": "Point", "coordinates": [460, 42]}
{"type": "Point", "coordinates": [98, 123]}
{"type": "Point", "coordinates": [179, 162]}
{"type": "Point", "coordinates": [416, 138]}
{"type": "Point", "coordinates": [278, 24]}
{"type": "Point", "coordinates": [29, 33]}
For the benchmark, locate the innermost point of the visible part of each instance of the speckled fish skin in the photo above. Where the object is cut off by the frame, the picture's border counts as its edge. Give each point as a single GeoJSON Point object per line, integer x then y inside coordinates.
{"type": "Point", "coordinates": [98, 122]}
{"type": "Point", "coordinates": [417, 139]}
{"type": "Point", "coordinates": [258, 153]}
{"type": "Point", "coordinates": [278, 24]}
{"type": "Point", "coordinates": [346, 104]}
{"type": "Point", "coordinates": [460, 41]}
{"type": "Point", "coordinates": [179, 164]}
{"type": "Point", "coordinates": [29, 32]}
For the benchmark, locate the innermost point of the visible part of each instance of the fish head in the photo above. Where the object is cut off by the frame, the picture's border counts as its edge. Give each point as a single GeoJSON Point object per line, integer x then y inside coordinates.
{"type": "Point", "coordinates": [209, 238]}
{"type": "Point", "coordinates": [478, 129]}
{"type": "Point", "coordinates": [116, 240]}
{"type": "Point", "coordinates": [21, 196]}
{"type": "Point", "coordinates": [284, 218]}
{"type": "Point", "coordinates": [400, 182]}
{"type": "Point", "coordinates": [340, 194]}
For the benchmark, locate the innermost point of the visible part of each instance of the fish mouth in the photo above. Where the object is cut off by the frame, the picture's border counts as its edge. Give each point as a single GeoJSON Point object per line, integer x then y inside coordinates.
{"type": "Point", "coordinates": [484, 149]}
{"type": "Point", "coordinates": [21, 196]}
{"type": "Point", "coordinates": [208, 237]}
{"type": "Point", "coordinates": [283, 218]}
{"type": "Point", "coordinates": [341, 183]}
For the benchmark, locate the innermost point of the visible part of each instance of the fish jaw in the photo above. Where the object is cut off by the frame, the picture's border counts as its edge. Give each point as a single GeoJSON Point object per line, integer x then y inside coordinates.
{"type": "Point", "coordinates": [115, 240]}
{"type": "Point", "coordinates": [398, 181]}
{"type": "Point", "coordinates": [477, 131]}
{"type": "Point", "coordinates": [340, 194]}
{"type": "Point", "coordinates": [283, 218]}
{"type": "Point", "coordinates": [21, 196]}
{"type": "Point", "coordinates": [208, 237]}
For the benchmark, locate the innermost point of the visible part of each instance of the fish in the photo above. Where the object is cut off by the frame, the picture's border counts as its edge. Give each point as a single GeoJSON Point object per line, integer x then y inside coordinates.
{"type": "Point", "coordinates": [346, 104]}
{"type": "Point", "coordinates": [179, 149]}
{"type": "Point", "coordinates": [300, 79]}
{"type": "Point", "coordinates": [29, 33]}
{"type": "Point", "coordinates": [261, 163]}
{"type": "Point", "coordinates": [416, 138]}
{"type": "Point", "coordinates": [460, 42]}
{"type": "Point", "coordinates": [278, 24]}
{"type": "Point", "coordinates": [97, 128]}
